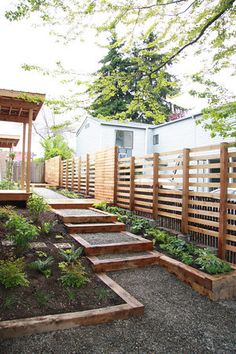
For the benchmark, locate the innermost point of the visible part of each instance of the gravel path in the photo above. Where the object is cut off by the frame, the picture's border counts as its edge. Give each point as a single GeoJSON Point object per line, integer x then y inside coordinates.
{"type": "Point", "coordinates": [106, 237]}
{"type": "Point", "coordinates": [176, 320]}
{"type": "Point", "coordinates": [48, 194]}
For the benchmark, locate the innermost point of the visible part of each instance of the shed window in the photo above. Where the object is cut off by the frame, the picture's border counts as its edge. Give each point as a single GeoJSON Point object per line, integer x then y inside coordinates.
{"type": "Point", "coordinates": [124, 139]}
{"type": "Point", "coordinates": [156, 139]}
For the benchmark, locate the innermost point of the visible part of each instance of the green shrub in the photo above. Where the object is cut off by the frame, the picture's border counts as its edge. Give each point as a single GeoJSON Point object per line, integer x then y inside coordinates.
{"type": "Point", "coordinates": [158, 236]}
{"type": "Point", "coordinates": [10, 185]}
{"type": "Point", "coordinates": [211, 264]}
{"type": "Point", "coordinates": [36, 206]}
{"type": "Point", "coordinates": [73, 275]}
{"type": "Point", "coordinates": [47, 227]}
{"type": "Point", "coordinates": [12, 273]}
{"type": "Point", "coordinates": [186, 258]}
{"type": "Point", "coordinates": [20, 231]}
{"type": "Point", "coordinates": [139, 225]}
{"type": "Point", "coordinates": [101, 205]}
{"type": "Point", "coordinates": [69, 194]}
{"type": "Point", "coordinates": [6, 212]}
{"type": "Point", "coordinates": [43, 266]}
{"type": "Point", "coordinates": [71, 255]}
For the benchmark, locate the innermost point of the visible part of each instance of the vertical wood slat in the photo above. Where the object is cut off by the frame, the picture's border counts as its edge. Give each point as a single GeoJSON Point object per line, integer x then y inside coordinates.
{"type": "Point", "coordinates": [185, 195]}
{"type": "Point", "coordinates": [79, 173]}
{"type": "Point", "coordinates": [224, 178]}
{"type": "Point", "coordinates": [87, 174]}
{"type": "Point", "coordinates": [115, 173]}
{"type": "Point", "coordinates": [28, 169]}
{"type": "Point", "coordinates": [132, 183]}
{"type": "Point", "coordinates": [155, 185]}
{"type": "Point", "coordinates": [66, 174]}
{"type": "Point", "coordinates": [72, 173]}
{"type": "Point", "coordinates": [23, 158]}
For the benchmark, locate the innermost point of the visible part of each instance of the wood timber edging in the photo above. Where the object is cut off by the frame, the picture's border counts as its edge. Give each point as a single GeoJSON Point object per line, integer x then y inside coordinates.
{"type": "Point", "coordinates": [42, 324]}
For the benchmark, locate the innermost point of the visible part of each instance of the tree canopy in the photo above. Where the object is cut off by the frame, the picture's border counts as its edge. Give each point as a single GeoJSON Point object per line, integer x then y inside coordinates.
{"type": "Point", "coordinates": [126, 88]}
{"type": "Point", "coordinates": [206, 26]}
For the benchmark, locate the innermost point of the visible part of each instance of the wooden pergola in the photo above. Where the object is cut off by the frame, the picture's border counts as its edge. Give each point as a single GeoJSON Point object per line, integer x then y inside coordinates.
{"type": "Point", "coordinates": [21, 107]}
{"type": "Point", "coordinates": [9, 141]}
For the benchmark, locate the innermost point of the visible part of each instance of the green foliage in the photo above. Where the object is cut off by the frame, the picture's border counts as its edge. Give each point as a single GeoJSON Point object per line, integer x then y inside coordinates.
{"type": "Point", "coordinates": [41, 254]}
{"type": "Point", "coordinates": [56, 146]}
{"type": "Point", "coordinates": [59, 237]}
{"type": "Point", "coordinates": [71, 255]}
{"type": "Point", "coordinates": [43, 266]}
{"type": "Point", "coordinates": [47, 227]}
{"type": "Point", "coordinates": [139, 225]}
{"type": "Point", "coordinates": [42, 298]}
{"type": "Point", "coordinates": [20, 231]}
{"type": "Point", "coordinates": [9, 302]}
{"type": "Point", "coordinates": [102, 294]}
{"type": "Point", "coordinates": [73, 275]}
{"type": "Point", "coordinates": [12, 273]}
{"type": "Point", "coordinates": [211, 264]}
{"type": "Point", "coordinates": [70, 294]}
{"type": "Point", "coordinates": [68, 194]}
{"type": "Point", "coordinates": [101, 205]}
{"type": "Point", "coordinates": [10, 185]}
{"type": "Point", "coordinates": [127, 87]}
{"type": "Point", "coordinates": [37, 206]}
{"type": "Point", "coordinates": [6, 212]}
{"type": "Point", "coordinates": [158, 236]}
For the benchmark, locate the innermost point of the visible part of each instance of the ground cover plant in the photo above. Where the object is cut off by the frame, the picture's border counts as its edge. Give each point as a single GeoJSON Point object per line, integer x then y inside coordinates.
{"type": "Point", "coordinates": [43, 280]}
{"type": "Point", "coordinates": [177, 248]}
{"type": "Point", "coordinates": [69, 194]}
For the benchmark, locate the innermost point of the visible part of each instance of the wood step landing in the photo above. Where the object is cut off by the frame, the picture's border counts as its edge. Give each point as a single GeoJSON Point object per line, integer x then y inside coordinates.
{"type": "Point", "coordinates": [123, 261]}
{"type": "Point", "coordinates": [80, 216]}
{"type": "Point", "coordinates": [94, 228]}
{"type": "Point", "coordinates": [71, 203]}
{"type": "Point", "coordinates": [112, 243]}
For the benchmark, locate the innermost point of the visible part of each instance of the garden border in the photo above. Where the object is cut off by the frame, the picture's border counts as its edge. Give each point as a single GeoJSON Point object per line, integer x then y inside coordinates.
{"type": "Point", "coordinates": [42, 324]}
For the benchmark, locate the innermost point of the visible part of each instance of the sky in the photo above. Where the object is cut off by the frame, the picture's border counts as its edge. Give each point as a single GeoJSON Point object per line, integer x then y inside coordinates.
{"type": "Point", "coordinates": [21, 42]}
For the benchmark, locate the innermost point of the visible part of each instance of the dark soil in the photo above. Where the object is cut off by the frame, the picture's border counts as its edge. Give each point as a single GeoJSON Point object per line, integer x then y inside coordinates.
{"type": "Point", "coordinates": [48, 296]}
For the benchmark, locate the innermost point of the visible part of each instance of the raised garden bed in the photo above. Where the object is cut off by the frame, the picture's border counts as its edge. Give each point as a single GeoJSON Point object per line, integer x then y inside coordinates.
{"type": "Point", "coordinates": [44, 302]}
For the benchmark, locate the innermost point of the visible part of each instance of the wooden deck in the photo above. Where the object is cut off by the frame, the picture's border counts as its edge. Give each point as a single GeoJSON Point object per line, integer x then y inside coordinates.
{"type": "Point", "coordinates": [13, 195]}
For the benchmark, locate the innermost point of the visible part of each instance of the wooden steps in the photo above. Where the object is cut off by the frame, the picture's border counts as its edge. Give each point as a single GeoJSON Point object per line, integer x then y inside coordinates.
{"type": "Point", "coordinates": [124, 262]}
{"type": "Point", "coordinates": [93, 228]}
{"type": "Point", "coordinates": [95, 216]}
{"type": "Point", "coordinates": [71, 203]}
{"type": "Point", "coordinates": [138, 245]}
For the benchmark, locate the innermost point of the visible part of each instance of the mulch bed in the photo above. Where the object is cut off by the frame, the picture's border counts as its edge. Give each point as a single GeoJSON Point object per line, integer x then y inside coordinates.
{"type": "Point", "coordinates": [48, 296]}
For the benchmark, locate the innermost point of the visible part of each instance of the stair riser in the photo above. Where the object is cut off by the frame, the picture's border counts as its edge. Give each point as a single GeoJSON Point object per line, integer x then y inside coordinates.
{"type": "Point", "coordinates": [119, 248]}
{"type": "Point", "coordinates": [124, 264]}
{"type": "Point", "coordinates": [89, 219]}
{"type": "Point", "coordinates": [95, 228]}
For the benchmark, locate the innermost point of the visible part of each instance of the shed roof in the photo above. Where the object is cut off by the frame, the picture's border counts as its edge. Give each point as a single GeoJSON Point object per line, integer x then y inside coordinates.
{"type": "Point", "coordinates": [7, 141]}
{"type": "Point", "coordinates": [15, 105]}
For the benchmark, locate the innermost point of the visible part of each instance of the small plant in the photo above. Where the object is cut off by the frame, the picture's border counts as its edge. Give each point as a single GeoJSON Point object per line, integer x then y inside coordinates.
{"type": "Point", "coordinates": [70, 294]}
{"type": "Point", "coordinates": [10, 185]}
{"type": "Point", "coordinates": [159, 236]}
{"type": "Point", "coordinates": [73, 275]}
{"type": "Point", "coordinates": [47, 227]}
{"type": "Point", "coordinates": [12, 273]}
{"type": "Point", "coordinates": [69, 194]}
{"type": "Point", "coordinates": [186, 258]}
{"type": "Point", "coordinates": [9, 302]}
{"type": "Point", "coordinates": [43, 266]}
{"type": "Point", "coordinates": [139, 225]}
{"type": "Point", "coordinates": [6, 212]}
{"type": "Point", "coordinates": [36, 206]}
{"type": "Point", "coordinates": [20, 231]}
{"type": "Point", "coordinates": [211, 264]}
{"type": "Point", "coordinates": [71, 255]}
{"type": "Point", "coordinates": [41, 254]}
{"type": "Point", "coordinates": [102, 294]}
{"type": "Point", "coordinates": [101, 205]}
{"type": "Point", "coordinates": [42, 298]}
{"type": "Point", "coordinates": [59, 237]}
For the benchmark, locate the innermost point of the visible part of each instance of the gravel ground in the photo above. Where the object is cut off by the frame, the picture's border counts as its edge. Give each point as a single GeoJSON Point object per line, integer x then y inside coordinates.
{"type": "Point", "coordinates": [48, 194]}
{"type": "Point", "coordinates": [79, 212]}
{"type": "Point", "coordinates": [106, 237]}
{"type": "Point", "coordinates": [176, 320]}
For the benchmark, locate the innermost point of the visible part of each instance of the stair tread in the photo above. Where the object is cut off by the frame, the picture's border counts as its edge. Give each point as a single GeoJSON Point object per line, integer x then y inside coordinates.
{"type": "Point", "coordinates": [100, 238]}
{"type": "Point", "coordinates": [93, 224]}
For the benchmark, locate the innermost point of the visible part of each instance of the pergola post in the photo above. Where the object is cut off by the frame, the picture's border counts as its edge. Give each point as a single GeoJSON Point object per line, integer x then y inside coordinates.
{"type": "Point", "coordinates": [28, 171]}
{"type": "Point", "coordinates": [23, 159]}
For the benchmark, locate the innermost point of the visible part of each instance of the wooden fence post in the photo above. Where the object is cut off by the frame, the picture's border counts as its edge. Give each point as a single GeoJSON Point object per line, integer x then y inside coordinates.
{"type": "Point", "coordinates": [155, 186]}
{"type": "Point", "coordinates": [115, 174]}
{"type": "Point", "coordinates": [72, 173]}
{"type": "Point", "coordinates": [132, 183]}
{"type": "Point", "coordinates": [67, 174]}
{"type": "Point", "coordinates": [185, 192]}
{"type": "Point", "coordinates": [60, 171]}
{"type": "Point", "coordinates": [224, 180]}
{"type": "Point", "coordinates": [87, 174]}
{"type": "Point", "coordinates": [79, 173]}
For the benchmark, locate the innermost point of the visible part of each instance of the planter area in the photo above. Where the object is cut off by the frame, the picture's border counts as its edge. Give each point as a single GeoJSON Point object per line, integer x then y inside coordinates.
{"type": "Point", "coordinates": [204, 272]}
{"type": "Point", "coordinates": [45, 282]}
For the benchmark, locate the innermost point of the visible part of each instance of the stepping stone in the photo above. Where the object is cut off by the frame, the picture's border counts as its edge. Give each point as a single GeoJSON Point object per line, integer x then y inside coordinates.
{"type": "Point", "coordinates": [62, 245]}
{"type": "Point", "coordinates": [7, 243]}
{"type": "Point", "coordinates": [37, 245]}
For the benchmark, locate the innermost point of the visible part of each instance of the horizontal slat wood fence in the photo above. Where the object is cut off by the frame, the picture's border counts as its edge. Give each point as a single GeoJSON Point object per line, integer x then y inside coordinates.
{"type": "Point", "coordinates": [175, 188]}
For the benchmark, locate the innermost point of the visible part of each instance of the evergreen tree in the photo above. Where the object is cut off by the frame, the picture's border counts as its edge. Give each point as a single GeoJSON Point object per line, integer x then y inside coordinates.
{"type": "Point", "coordinates": [126, 87]}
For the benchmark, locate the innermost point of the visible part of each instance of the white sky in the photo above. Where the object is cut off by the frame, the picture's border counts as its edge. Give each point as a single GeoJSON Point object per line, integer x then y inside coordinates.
{"type": "Point", "coordinates": [22, 43]}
